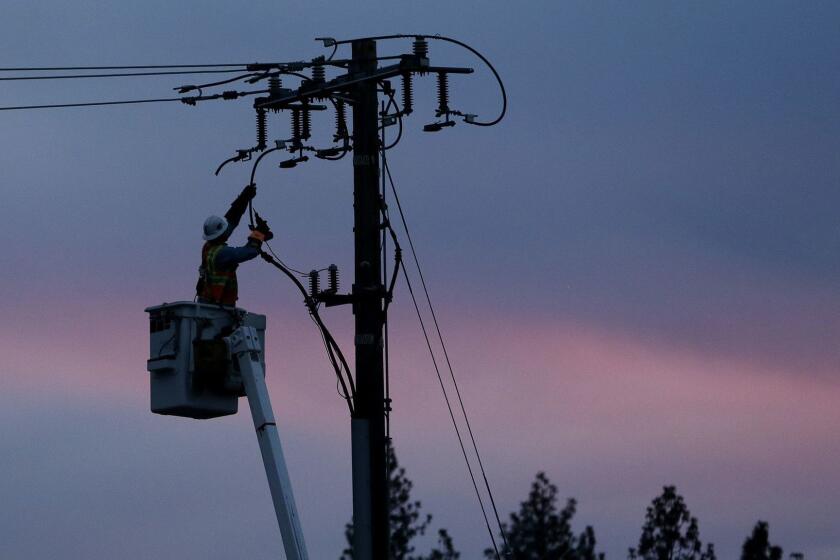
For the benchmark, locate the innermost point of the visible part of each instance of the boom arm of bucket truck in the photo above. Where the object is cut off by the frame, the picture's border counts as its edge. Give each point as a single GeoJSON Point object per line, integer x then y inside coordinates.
{"type": "Point", "coordinates": [245, 349]}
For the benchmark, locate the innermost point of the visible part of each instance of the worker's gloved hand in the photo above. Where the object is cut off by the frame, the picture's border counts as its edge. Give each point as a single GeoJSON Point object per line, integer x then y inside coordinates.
{"type": "Point", "coordinates": [262, 228]}
{"type": "Point", "coordinates": [256, 238]}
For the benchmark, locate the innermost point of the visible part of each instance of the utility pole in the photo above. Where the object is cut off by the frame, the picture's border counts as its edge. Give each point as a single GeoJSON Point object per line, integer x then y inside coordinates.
{"type": "Point", "coordinates": [358, 88]}
{"type": "Point", "coordinates": [370, 479]}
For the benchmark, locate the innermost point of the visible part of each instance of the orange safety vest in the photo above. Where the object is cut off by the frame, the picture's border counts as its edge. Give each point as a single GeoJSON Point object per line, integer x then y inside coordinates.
{"type": "Point", "coordinates": [219, 285]}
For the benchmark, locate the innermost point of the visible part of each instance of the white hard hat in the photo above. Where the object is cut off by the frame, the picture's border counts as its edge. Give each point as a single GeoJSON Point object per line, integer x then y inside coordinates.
{"type": "Point", "coordinates": [214, 227]}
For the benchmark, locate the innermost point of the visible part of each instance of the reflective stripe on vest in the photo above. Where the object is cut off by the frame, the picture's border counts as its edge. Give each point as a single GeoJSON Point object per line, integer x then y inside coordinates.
{"type": "Point", "coordinates": [220, 285]}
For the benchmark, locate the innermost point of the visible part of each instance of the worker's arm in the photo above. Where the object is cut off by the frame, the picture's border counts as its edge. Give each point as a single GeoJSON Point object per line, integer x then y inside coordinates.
{"type": "Point", "coordinates": [238, 207]}
{"type": "Point", "coordinates": [229, 256]}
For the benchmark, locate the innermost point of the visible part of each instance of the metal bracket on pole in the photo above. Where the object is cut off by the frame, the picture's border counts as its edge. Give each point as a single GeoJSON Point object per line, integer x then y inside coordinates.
{"type": "Point", "coordinates": [244, 346]}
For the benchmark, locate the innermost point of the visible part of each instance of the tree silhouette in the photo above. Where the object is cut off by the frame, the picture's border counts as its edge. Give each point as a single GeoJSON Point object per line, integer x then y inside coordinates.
{"type": "Point", "coordinates": [670, 532]}
{"type": "Point", "coordinates": [446, 550]}
{"type": "Point", "coordinates": [758, 547]}
{"type": "Point", "coordinates": [406, 521]}
{"type": "Point", "coordinates": [539, 532]}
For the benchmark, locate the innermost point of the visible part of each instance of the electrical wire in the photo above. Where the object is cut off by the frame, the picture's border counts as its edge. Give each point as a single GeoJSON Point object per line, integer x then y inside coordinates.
{"type": "Point", "coordinates": [399, 116]}
{"type": "Point", "coordinates": [296, 271]}
{"type": "Point", "coordinates": [120, 75]}
{"type": "Point", "coordinates": [257, 162]}
{"type": "Point", "coordinates": [231, 68]}
{"type": "Point", "coordinates": [384, 273]}
{"type": "Point", "coordinates": [330, 355]}
{"type": "Point", "coordinates": [348, 387]}
{"type": "Point", "coordinates": [455, 42]}
{"type": "Point", "coordinates": [186, 88]}
{"type": "Point", "coordinates": [295, 74]}
{"type": "Point", "coordinates": [187, 100]}
{"type": "Point", "coordinates": [91, 104]}
{"type": "Point", "coordinates": [385, 331]}
{"type": "Point", "coordinates": [134, 67]}
{"type": "Point", "coordinates": [251, 209]}
{"type": "Point", "coordinates": [332, 348]}
{"type": "Point", "coordinates": [451, 413]}
{"type": "Point", "coordinates": [492, 69]}
{"type": "Point", "coordinates": [346, 143]}
{"type": "Point", "coordinates": [332, 54]}
{"type": "Point", "coordinates": [387, 172]}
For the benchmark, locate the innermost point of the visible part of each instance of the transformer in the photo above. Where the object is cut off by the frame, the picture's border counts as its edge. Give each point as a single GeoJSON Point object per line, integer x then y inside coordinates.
{"type": "Point", "coordinates": [192, 373]}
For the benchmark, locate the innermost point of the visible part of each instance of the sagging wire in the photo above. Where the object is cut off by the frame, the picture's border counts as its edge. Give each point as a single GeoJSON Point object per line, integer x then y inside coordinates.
{"type": "Point", "coordinates": [331, 356]}
{"type": "Point", "coordinates": [334, 353]}
{"type": "Point", "coordinates": [296, 271]}
{"type": "Point", "coordinates": [333, 350]}
{"type": "Point", "coordinates": [455, 42]}
{"type": "Point", "coordinates": [387, 172]}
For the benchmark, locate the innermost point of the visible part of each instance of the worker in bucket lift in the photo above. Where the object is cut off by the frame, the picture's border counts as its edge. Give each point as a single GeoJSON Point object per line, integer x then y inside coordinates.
{"type": "Point", "coordinates": [217, 274]}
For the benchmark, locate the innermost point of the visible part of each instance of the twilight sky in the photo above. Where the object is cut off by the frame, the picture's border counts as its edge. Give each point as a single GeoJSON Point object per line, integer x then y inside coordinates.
{"type": "Point", "coordinates": [637, 273]}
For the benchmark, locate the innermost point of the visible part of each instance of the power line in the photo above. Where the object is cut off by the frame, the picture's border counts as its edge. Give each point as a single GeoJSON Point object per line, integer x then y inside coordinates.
{"type": "Point", "coordinates": [92, 104]}
{"type": "Point", "coordinates": [227, 95]}
{"type": "Point", "coordinates": [439, 376]}
{"type": "Point", "coordinates": [448, 362]}
{"type": "Point", "coordinates": [449, 408]}
{"type": "Point", "coordinates": [136, 67]}
{"type": "Point", "coordinates": [118, 75]}
{"type": "Point", "coordinates": [333, 350]}
{"type": "Point", "coordinates": [296, 271]}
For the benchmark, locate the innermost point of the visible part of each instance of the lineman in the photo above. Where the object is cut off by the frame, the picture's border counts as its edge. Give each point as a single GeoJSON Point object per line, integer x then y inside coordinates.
{"type": "Point", "coordinates": [217, 274]}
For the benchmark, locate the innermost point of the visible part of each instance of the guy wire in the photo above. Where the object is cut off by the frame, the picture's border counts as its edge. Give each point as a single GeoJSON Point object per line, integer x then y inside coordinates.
{"type": "Point", "coordinates": [448, 362]}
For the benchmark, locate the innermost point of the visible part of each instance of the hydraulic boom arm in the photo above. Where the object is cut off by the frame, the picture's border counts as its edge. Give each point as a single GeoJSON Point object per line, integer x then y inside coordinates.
{"type": "Point", "coordinates": [245, 348]}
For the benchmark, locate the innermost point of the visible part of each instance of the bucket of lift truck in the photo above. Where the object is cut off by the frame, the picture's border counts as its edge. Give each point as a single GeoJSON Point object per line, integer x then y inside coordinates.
{"type": "Point", "coordinates": [192, 374]}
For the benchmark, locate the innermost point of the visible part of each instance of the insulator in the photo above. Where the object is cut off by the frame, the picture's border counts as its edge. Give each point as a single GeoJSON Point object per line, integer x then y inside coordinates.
{"type": "Point", "coordinates": [314, 284]}
{"type": "Point", "coordinates": [319, 73]}
{"type": "Point", "coordinates": [306, 125]}
{"type": "Point", "coordinates": [262, 129]}
{"type": "Point", "coordinates": [421, 47]}
{"type": "Point", "coordinates": [340, 121]}
{"type": "Point", "coordinates": [443, 93]}
{"type": "Point", "coordinates": [333, 272]}
{"type": "Point", "coordinates": [295, 125]}
{"type": "Point", "coordinates": [407, 94]}
{"type": "Point", "coordinates": [274, 85]}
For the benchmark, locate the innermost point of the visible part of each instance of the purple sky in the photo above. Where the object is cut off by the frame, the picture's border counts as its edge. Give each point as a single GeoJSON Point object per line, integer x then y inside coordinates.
{"type": "Point", "coordinates": [637, 273]}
